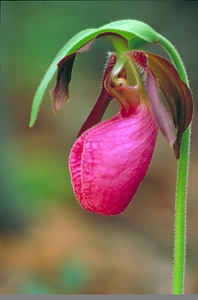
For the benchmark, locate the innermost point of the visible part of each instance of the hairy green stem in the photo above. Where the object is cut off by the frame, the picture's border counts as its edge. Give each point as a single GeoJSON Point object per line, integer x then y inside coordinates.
{"type": "Point", "coordinates": [181, 186]}
{"type": "Point", "coordinates": [180, 216]}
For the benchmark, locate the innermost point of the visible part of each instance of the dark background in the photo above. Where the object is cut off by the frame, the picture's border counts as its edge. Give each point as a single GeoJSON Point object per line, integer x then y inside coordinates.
{"type": "Point", "coordinates": [48, 244]}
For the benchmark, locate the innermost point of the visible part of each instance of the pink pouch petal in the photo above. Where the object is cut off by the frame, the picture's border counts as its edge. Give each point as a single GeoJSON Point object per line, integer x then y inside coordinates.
{"type": "Point", "coordinates": [109, 161]}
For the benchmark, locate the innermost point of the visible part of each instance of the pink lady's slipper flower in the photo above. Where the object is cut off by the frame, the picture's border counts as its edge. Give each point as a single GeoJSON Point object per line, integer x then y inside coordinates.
{"type": "Point", "coordinates": [110, 159]}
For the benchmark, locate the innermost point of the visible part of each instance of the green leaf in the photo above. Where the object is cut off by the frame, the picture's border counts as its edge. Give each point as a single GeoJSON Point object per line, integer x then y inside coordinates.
{"type": "Point", "coordinates": [136, 34]}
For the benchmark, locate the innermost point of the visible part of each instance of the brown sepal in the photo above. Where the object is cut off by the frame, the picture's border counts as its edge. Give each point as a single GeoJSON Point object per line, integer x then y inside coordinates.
{"type": "Point", "coordinates": [60, 93]}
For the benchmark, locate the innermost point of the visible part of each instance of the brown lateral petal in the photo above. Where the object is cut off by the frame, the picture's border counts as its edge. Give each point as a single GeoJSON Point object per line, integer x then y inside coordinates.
{"type": "Point", "coordinates": [60, 93]}
{"type": "Point", "coordinates": [177, 93]}
{"type": "Point", "coordinates": [163, 119]}
{"type": "Point", "coordinates": [103, 101]}
{"type": "Point", "coordinates": [97, 112]}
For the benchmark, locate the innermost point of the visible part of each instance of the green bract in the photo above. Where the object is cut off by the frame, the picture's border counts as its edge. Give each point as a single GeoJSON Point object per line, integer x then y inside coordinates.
{"type": "Point", "coordinates": [124, 34]}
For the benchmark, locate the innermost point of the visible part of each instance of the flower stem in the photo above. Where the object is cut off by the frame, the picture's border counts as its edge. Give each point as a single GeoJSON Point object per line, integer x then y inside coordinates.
{"type": "Point", "coordinates": [180, 216]}
{"type": "Point", "coordinates": [181, 186]}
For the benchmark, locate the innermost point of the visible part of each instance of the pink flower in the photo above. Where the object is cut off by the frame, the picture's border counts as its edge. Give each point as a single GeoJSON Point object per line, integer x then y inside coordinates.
{"type": "Point", "coordinates": [110, 159]}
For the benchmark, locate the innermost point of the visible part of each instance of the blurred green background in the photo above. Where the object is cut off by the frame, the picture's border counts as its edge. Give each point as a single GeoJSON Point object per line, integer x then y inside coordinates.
{"type": "Point", "coordinates": [48, 244]}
